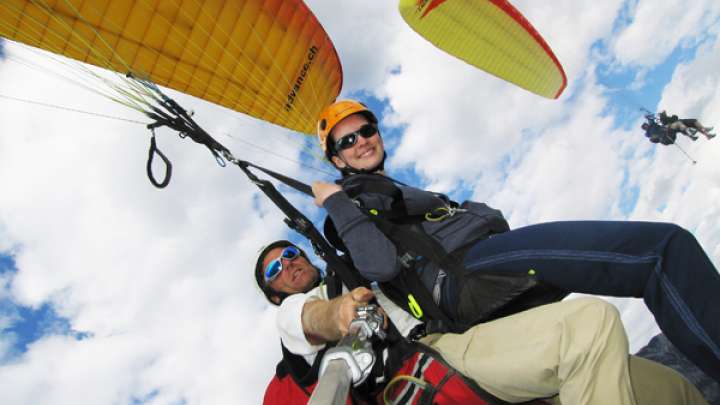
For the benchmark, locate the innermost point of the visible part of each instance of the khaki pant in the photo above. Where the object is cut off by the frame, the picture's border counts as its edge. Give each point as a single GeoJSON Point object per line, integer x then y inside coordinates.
{"type": "Point", "coordinates": [575, 349]}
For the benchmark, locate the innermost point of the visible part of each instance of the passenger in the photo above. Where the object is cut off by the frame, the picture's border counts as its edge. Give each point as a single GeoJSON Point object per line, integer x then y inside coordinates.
{"type": "Point", "coordinates": [394, 233]}
{"type": "Point", "coordinates": [684, 125]}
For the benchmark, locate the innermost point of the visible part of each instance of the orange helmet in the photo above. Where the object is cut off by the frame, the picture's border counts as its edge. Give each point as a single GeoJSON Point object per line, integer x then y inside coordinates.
{"type": "Point", "coordinates": [333, 114]}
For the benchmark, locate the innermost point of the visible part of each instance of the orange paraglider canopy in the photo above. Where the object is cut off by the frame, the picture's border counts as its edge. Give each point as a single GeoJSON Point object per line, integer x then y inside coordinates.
{"type": "Point", "coordinates": [270, 59]}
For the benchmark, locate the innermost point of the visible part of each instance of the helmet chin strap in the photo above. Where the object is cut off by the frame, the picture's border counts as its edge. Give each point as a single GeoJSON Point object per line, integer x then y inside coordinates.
{"type": "Point", "coordinates": [349, 170]}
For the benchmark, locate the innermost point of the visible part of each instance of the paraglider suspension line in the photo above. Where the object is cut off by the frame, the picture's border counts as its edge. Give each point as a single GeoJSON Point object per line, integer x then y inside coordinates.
{"type": "Point", "coordinates": [686, 154]}
{"type": "Point", "coordinates": [175, 117]}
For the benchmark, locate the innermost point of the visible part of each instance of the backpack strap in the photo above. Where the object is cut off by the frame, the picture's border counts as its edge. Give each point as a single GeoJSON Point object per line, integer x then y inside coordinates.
{"type": "Point", "coordinates": [414, 247]}
{"type": "Point", "coordinates": [417, 247]}
{"type": "Point", "coordinates": [333, 284]}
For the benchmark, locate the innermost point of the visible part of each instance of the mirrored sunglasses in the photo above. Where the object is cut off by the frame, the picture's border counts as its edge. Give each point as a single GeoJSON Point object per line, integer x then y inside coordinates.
{"type": "Point", "coordinates": [274, 268]}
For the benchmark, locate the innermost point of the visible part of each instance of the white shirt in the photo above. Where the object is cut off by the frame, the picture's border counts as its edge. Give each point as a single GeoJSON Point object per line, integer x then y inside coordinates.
{"type": "Point", "coordinates": [289, 323]}
{"type": "Point", "coordinates": [289, 320]}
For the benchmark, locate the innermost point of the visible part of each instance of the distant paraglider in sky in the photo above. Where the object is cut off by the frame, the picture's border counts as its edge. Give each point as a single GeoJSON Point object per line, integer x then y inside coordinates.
{"type": "Point", "coordinates": [657, 133]}
{"type": "Point", "coordinates": [687, 126]}
{"type": "Point", "coordinates": [491, 35]}
{"type": "Point", "coordinates": [663, 129]}
{"type": "Point", "coordinates": [271, 60]}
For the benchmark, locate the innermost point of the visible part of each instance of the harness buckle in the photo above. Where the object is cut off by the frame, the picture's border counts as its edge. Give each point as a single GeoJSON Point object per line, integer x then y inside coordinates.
{"type": "Point", "coordinates": [406, 260]}
{"type": "Point", "coordinates": [440, 213]}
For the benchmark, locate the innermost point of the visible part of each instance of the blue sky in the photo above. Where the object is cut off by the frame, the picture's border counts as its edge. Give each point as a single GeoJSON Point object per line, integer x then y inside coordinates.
{"type": "Point", "coordinates": [27, 324]}
{"type": "Point", "coordinates": [626, 102]}
{"type": "Point", "coordinates": [133, 290]}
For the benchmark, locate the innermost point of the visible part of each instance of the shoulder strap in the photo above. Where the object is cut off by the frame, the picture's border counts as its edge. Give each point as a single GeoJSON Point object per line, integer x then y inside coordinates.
{"type": "Point", "coordinates": [412, 243]}
{"type": "Point", "coordinates": [407, 290]}
{"type": "Point", "coordinates": [333, 284]}
{"type": "Point", "coordinates": [377, 184]}
{"type": "Point", "coordinates": [300, 223]}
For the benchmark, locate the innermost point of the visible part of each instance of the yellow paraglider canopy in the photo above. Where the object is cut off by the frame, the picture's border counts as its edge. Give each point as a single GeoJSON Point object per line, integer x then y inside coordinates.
{"type": "Point", "coordinates": [270, 59]}
{"type": "Point", "coordinates": [491, 35]}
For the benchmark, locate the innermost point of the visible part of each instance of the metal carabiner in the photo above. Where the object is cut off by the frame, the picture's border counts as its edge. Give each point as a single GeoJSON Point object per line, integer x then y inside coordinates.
{"type": "Point", "coordinates": [447, 211]}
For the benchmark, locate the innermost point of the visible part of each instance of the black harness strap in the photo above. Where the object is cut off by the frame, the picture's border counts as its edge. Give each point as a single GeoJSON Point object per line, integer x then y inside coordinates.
{"type": "Point", "coordinates": [303, 374]}
{"type": "Point", "coordinates": [435, 319]}
{"type": "Point", "coordinates": [300, 223]}
{"type": "Point", "coordinates": [175, 117]}
{"type": "Point", "coordinates": [181, 121]}
{"type": "Point", "coordinates": [413, 245]}
{"type": "Point", "coordinates": [289, 181]}
{"type": "Point", "coordinates": [333, 285]}
{"type": "Point", "coordinates": [168, 166]}
{"type": "Point", "coordinates": [416, 244]}
{"type": "Point", "coordinates": [412, 242]}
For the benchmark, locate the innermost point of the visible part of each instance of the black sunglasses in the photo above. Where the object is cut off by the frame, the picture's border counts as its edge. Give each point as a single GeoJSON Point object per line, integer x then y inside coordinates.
{"type": "Point", "coordinates": [347, 141]}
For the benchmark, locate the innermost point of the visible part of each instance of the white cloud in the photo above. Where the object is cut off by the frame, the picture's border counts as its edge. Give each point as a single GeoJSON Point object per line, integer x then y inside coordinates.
{"type": "Point", "coordinates": [360, 31]}
{"type": "Point", "coordinates": [160, 279]}
{"type": "Point", "coordinates": [474, 122]}
{"type": "Point", "coordinates": [693, 90]}
{"type": "Point", "coordinates": [657, 28]}
{"type": "Point", "coordinates": [572, 170]}
{"type": "Point", "coordinates": [571, 27]}
{"type": "Point", "coordinates": [670, 188]}
{"type": "Point", "coordinates": [540, 160]}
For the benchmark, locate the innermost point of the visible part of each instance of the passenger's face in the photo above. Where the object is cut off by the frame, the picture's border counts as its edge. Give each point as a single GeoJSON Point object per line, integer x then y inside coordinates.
{"type": "Point", "coordinates": [367, 153]}
{"type": "Point", "coordinates": [297, 275]}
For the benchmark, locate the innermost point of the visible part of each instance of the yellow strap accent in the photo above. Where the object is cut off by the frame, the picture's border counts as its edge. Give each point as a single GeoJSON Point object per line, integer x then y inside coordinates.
{"type": "Point", "coordinates": [414, 307]}
{"type": "Point", "coordinates": [445, 213]}
{"type": "Point", "coordinates": [402, 377]}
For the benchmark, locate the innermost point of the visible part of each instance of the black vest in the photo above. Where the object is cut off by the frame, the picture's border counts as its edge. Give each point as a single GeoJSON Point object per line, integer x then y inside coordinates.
{"type": "Point", "coordinates": [482, 297]}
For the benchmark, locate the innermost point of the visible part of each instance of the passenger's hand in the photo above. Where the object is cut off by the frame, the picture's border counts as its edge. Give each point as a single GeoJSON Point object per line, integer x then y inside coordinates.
{"type": "Point", "coordinates": [347, 309]}
{"type": "Point", "coordinates": [322, 191]}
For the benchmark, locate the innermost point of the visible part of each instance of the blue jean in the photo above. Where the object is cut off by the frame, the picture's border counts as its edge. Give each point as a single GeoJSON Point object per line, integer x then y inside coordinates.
{"type": "Point", "coordinates": [659, 262]}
